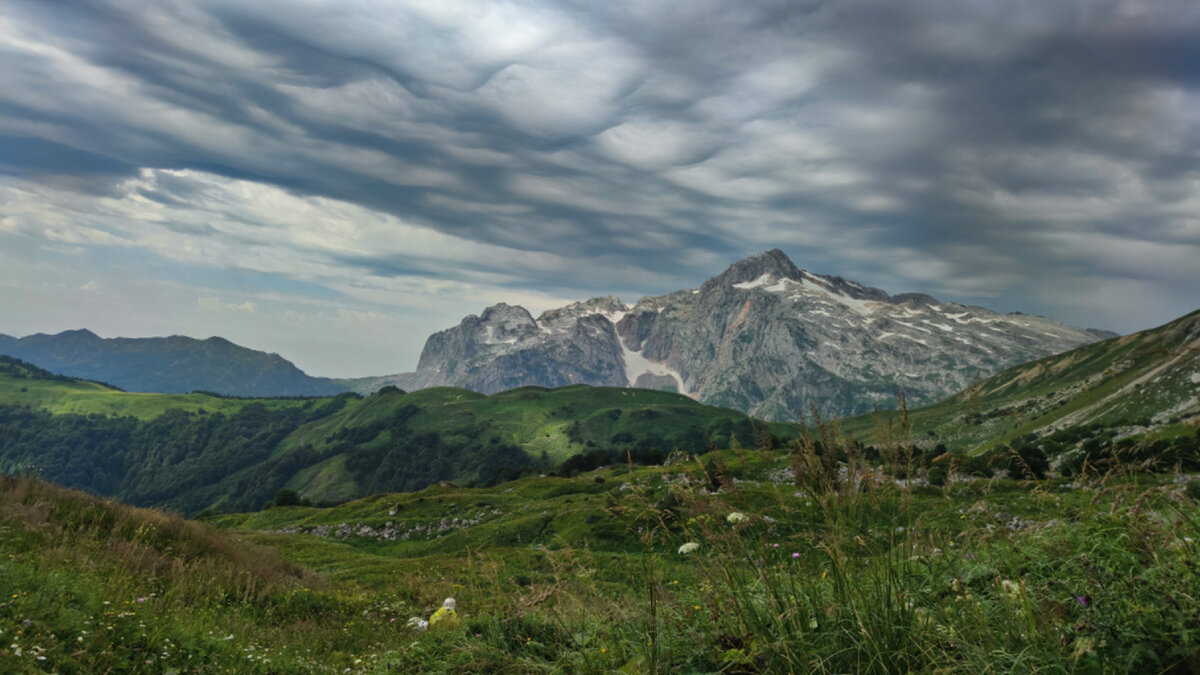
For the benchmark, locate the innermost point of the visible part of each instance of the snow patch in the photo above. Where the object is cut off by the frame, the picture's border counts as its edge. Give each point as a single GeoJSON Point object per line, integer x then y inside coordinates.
{"type": "Point", "coordinates": [614, 317]}
{"type": "Point", "coordinates": [958, 318]}
{"type": "Point", "coordinates": [762, 280]}
{"type": "Point", "coordinates": [861, 307]}
{"type": "Point", "coordinates": [902, 335]}
{"type": "Point", "coordinates": [636, 364]}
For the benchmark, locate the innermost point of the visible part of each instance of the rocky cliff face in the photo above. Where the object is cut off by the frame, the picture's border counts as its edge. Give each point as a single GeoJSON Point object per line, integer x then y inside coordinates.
{"type": "Point", "coordinates": [764, 337]}
{"type": "Point", "coordinates": [506, 348]}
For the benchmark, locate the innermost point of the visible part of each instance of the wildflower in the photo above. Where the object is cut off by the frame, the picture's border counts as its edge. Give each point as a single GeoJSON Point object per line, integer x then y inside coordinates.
{"type": "Point", "coordinates": [735, 517]}
{"type": "Point", "coordinates": [446, 615]}
{"type": "Point", "coordinates": [417, 623]}
{"type": "Point", "coordinates": [1010, 587]}
{"type": "Point", "coordinates": [774, 545]}
{"type": "Point", "coordinates": [141, 599]}
{"type": "Point", "coordinates": [1083, 600]}
{"type": "Point", "coordinates": [795, 554]}
{"type": "Point", "coordinates": [688, 548]}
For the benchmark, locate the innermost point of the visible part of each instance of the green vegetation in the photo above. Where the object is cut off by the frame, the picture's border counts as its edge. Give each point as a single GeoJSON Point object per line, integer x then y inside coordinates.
{"type": "Point", "coordinates": [835, 571]}
{"type": "Point", "coordinates": [1142, 386]}
{"type": "Point", "coordinates": [196, 452]}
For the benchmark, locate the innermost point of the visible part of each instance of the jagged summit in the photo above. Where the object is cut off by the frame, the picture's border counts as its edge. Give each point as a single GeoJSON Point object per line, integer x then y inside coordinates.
{"type": "Point", "coordinates": [774, 263]}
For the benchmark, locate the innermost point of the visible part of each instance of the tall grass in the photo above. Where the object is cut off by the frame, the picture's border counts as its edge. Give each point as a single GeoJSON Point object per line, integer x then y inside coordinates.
{"type": "Point", "coordinates": [807, 558]}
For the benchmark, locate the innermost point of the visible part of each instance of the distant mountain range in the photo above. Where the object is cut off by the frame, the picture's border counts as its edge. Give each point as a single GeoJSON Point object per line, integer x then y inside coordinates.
{"type": "Point", "coordinates": [1138, 394]}
{"type": "Point", "coordinates": [764, 337]}
{"type": "Point", "coordinates": [167, 365]}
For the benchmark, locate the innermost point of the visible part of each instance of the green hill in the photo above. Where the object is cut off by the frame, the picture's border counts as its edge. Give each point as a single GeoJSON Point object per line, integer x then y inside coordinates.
{"type": "Point", "coordinates": [196, 451]}
{"type": "Point", "coordinates": [1139, 393]}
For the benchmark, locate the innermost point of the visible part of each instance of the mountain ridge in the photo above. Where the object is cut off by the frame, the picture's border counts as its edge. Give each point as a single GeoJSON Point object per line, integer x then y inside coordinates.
{"type": "Point", "coordinates": [172, 364]}
{"type": "Point", "coordinates": [764, 336]}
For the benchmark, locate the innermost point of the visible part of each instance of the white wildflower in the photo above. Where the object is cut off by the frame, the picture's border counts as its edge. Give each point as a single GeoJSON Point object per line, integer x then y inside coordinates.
{"type": "Point", "coordinates": [688, 548]}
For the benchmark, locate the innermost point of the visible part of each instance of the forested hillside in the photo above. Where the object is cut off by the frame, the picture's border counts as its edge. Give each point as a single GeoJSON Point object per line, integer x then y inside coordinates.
{"type": "Point", "coordinates": [199, 451]}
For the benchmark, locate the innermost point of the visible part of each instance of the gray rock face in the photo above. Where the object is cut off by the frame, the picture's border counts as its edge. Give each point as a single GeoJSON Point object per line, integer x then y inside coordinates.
{"type": "Point", "coordinates": [506, 348]}
{"type": "Point", "coordinates": [764, 337]}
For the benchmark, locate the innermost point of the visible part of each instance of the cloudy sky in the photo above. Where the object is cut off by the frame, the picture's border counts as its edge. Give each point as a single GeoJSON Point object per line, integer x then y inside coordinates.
{"type": "Point", "coordinates": [333, 181]}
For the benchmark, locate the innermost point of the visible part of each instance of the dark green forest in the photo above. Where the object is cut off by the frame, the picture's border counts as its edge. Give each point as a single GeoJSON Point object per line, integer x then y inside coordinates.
{"type": "Point", "coordinates": [176, 460]}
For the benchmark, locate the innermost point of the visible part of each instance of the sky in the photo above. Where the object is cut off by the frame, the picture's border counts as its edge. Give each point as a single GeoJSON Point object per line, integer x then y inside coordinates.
{"type": "Point", "coordinates": [334, 181]}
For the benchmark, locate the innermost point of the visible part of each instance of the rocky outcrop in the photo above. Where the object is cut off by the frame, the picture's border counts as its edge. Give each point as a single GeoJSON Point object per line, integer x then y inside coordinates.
{"type": "Point", "coordinates": [505, 348]}
{"type": "Point", "coordinates": [764, 337]}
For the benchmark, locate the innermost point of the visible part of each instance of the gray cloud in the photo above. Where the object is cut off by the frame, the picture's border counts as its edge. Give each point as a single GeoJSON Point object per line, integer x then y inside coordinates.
{"type": "Point", "coordinates": [1034, 156]}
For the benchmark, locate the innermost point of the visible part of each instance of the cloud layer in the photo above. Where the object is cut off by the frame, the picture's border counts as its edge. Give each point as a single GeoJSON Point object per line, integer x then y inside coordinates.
{"type": "Point", "coordinates": [302, 178]}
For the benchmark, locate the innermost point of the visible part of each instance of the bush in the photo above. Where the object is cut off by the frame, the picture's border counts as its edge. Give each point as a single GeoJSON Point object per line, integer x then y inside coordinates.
{"type": "Point", "coordinates": [287, 497]}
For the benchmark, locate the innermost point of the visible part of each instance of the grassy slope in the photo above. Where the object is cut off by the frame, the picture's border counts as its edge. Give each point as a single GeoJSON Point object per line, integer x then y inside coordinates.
{"type": "Point", "coordinates": [583, 575]}
{"type": "Point", "coordinates": [1144, 380]}
{"type": "Point", "coordinates": [319, 457]}
{"type": "Point", "coordinates": [535, 419]}
{"type": "Point", "coordinates": [21, 384]}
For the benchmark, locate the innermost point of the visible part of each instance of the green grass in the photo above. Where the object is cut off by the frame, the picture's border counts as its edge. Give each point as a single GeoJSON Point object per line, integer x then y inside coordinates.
{"type": "Point", "coordinates": [84, 434]}
{"type": "Point", "coordinates": [819, 574]}
{"type": "Point", "coordinates": [1093, 384]}
{"type": "Point", "coordinates": [90, 398]}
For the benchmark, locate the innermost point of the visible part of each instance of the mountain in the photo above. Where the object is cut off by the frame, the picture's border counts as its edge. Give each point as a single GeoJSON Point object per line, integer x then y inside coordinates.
{"type": "Point", "coordinates": [173, 364]}
{"type": "Point", "coordinates": [764, 337]}
{"type": "Point", "coordinates": [1141, 386]}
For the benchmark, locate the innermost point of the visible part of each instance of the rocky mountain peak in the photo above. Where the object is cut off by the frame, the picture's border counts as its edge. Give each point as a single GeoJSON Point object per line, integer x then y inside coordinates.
{"type": "Point", "coordinates": [774, 263]}
{"type": "Point", "coordinates": [609, 306]}
{"type": "Point", "coordinates": [763, 337]}
{"type": "Point", "coordinates": [504, 322]}
{"type": "Point", "coordinates": [504, 314]}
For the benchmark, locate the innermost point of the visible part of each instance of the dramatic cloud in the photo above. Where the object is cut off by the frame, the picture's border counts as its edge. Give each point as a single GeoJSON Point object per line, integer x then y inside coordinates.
{"type": "Point", "coordinates": [335, 180]}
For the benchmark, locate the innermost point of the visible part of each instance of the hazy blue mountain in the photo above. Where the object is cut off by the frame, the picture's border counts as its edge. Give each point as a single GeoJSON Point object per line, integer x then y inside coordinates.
{"type": "Point", "coordinates": [168, 365]}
